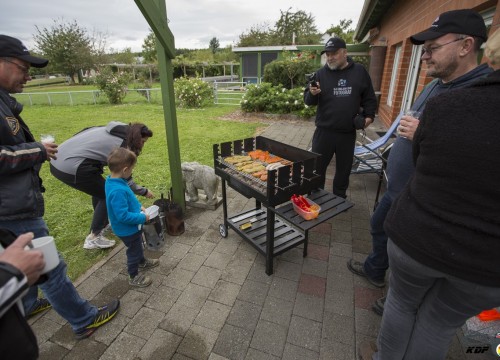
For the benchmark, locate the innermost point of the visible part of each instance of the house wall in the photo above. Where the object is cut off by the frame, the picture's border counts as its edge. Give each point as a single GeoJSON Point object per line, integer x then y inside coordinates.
{"type": "Point", "coordinates": [406, 18]}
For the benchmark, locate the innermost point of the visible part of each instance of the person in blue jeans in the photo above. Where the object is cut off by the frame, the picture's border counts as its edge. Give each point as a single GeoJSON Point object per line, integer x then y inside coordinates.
{"type": "Point", "coordinates": [451, 70]}
{"type": "Point", "coordinates": [444, 233]}
{"type": "Point", "coordinates": [21, 158]}
{"type": "Point", "coordinates": [125, 214]}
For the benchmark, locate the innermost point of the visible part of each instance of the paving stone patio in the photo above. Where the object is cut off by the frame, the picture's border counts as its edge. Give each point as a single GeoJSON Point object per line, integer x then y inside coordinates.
{"type": "Point", "coordinates": [211, 299]}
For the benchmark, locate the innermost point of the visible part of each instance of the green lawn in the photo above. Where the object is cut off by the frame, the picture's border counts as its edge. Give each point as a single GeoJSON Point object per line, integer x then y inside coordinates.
{"type": "Point", "coordinates": [68, 212]}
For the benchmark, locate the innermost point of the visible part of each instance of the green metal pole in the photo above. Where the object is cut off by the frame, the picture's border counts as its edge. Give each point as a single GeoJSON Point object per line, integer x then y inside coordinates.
{"type": "Point", "coordinates": [166, 52]}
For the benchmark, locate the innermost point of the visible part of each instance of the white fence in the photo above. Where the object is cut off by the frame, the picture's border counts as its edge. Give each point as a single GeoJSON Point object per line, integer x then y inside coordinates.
{"type": "Point", "coordinates": [225, 93]}
{"type": "Point", "coordinates": [85, 97]}
{"type": "Point", "coordinates": [228, 93]}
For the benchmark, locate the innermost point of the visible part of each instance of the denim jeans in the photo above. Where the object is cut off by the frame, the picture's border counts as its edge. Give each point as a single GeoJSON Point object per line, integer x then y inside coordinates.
{"type": "Point", "coordinates": [377, 263]}
{"type": "Point", "coordinates": [58, 289]}
{"type": "Point", "coordinates": [135, 253]}
{"type": "Point", "coordinates": [424, 309]}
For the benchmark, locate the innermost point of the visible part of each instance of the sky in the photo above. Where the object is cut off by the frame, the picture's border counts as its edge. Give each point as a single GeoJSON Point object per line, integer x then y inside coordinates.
{"type": "Point", "coordinates": [192, 22]}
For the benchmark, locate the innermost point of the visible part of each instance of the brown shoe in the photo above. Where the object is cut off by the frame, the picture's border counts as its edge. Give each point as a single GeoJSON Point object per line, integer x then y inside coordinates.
{"type": "Point", "coordinates": [366, 350]}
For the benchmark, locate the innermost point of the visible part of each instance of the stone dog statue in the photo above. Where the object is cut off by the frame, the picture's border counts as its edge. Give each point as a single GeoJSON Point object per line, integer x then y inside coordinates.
{"type": "Point", "coordinates": [197, 176]}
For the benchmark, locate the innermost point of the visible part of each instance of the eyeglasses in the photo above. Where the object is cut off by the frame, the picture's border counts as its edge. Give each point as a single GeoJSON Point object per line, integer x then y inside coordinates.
{"type": "Point", "coordinates": [431, 49]}
{"type": "Point", "coordinates": [23, 68]}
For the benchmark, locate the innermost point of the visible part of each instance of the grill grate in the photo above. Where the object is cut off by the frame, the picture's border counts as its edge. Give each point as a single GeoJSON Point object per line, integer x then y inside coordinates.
{"type": "Point", "coordinates": [298, 178]}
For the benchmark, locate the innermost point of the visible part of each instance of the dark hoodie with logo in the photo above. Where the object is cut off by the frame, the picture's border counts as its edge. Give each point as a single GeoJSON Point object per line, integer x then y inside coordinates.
{"type": "Point", "coordinates": [343, 93]}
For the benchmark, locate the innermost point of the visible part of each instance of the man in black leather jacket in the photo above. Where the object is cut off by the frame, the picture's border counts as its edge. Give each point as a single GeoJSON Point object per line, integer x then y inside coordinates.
{"type": "Point", "coordinates": [22, 204]}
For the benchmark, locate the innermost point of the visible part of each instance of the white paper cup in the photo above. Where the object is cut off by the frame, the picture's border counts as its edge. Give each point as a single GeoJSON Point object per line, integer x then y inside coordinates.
{"type": "Point", "coordinates": [47, 246]}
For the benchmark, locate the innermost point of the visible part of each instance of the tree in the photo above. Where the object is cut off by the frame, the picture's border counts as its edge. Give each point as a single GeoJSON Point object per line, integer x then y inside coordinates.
{"type": "Point", "coordinates": [343, 30]}
{"type": "Point", "coordinates": [298, 26]}
{"type": "Point", "coordinates": [68, 47]}
{"type": "Point", "coordinates": [126, 56]}
{"type": "Point", "coordinates": [182, 61]}
{"type": "Point", "coordinates": [149, 48]}
{"type": "Point", "coordinates": [258, 35]}
{"type": "Point", "coordinates": [214, 45]}
{"type": "Point", "coordinates": [290, 71]}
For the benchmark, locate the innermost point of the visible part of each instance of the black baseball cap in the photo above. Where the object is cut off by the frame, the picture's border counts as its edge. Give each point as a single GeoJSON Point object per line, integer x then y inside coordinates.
{"type": "Point", "coordinates": [465, 21]}
{"type": "Point", "coordinates": [334, 44]}
{"type": "Point", "coordinates": [12, 47]}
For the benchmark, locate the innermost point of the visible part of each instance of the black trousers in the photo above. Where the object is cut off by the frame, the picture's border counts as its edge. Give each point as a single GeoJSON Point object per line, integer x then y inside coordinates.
{"type": "Point", "coordinates": [89, 180]}
{"type": "Point", "coordinates": [329, 143]}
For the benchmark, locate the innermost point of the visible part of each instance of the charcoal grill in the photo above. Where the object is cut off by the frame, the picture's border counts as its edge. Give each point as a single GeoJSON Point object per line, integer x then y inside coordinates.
{"type": "Point", "coordinates": [272, 235]}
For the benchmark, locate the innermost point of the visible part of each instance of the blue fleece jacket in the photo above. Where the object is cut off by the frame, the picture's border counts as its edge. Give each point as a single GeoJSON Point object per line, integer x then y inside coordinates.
{"type": "Point", "coordinates": [124, 210]}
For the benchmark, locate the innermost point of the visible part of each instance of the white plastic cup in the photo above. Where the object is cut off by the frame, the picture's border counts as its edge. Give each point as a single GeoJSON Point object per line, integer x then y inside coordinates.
{"type": "Point", "coordinates": [47, 246]}
{"type": "Point", "coordinates": [152, 211]}
{"type": "Point", "coordinates": [47, 138]}
{"type": "Point", "coordinates": [413, 113]}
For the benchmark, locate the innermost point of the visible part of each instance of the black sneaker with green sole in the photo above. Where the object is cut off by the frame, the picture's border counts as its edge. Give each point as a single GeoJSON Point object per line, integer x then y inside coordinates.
{"type": "Point", "coordinates": [104, 314]}
{"type": "Point", "coordinates": [40, 305]}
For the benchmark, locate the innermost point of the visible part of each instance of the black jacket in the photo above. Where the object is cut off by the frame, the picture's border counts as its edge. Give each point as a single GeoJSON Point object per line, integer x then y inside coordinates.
{"type": "Point", "coordinates": [447, 217]}
{"type": "Point", "coordinates": [17, 340]}
{"type": "Point", "coordinates": [20, 161]}
{"type": "Point", "coordinates": [343, 93]}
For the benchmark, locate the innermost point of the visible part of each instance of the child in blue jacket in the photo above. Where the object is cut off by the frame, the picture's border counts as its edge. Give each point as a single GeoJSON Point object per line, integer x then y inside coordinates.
{"type": "Point", "coordinates": [125, 216]}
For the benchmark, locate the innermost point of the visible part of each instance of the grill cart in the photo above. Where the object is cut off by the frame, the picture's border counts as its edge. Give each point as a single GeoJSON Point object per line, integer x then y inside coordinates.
{"type": "Point", "coordinates": [272, 227]}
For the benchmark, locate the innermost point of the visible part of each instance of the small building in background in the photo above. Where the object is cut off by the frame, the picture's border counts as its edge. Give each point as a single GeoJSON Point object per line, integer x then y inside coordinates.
{"type": "Point", "coordinates": [254, 58]}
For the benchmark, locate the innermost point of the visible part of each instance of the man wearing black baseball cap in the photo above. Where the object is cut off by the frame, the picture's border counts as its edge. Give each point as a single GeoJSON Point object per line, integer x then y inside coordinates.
{"type": "Point", "coordinates": [334, 44]}
{"type": "Point", "coordinates": [340, 89]}
{"type": "Point", "coordinates": [466, 21]}
{"type": "Point", "coordinates": [13, 48]}
{"type": "Point", "coordinates": [22, 210]}
{"type": "Point", "coordinates": [450, 53]}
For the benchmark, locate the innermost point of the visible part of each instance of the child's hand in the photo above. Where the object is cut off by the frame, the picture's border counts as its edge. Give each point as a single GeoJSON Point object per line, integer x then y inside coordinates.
{"type": "Point", "coordinates": [149, 195]}
{"type": "Point", "coordinates": [143, 209]}
{"type": "Point", "coordinates": [147, 217]}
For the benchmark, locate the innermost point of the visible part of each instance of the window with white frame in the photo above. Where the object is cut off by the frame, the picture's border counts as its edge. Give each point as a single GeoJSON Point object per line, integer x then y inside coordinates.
{"type": "Point", "coordinates": [412, 78]}
{"type": "Point", "coordinates": [394, 73]}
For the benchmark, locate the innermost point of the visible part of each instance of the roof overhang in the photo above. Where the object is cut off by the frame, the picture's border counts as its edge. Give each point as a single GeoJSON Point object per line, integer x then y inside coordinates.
{"type": "Point", "coordinates": [371, 15]}
{"type": "Point", "coordinates": [352, 49]}
{"type": "Point", "coordinates": [264, 48]}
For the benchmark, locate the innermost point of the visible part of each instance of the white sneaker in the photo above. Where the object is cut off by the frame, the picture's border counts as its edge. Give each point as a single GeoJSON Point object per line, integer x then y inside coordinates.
{"type": "Point", "coordinates": [89, 242]}
{"type": "Point", "coordinates": [97, 242]}
{"type": "Point", "coordinates": [106, 229]}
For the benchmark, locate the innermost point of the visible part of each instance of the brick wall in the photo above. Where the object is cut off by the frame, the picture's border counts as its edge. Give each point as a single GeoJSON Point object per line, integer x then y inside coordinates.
{"type": "Point", "coordinates": [406, 18]}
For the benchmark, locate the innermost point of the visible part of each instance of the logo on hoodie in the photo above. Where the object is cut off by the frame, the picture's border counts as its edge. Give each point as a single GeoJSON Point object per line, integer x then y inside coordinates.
{"type": "Point", "coordinates": [342, 89]}
{"type": "Point", "coordinates": [13, 124]}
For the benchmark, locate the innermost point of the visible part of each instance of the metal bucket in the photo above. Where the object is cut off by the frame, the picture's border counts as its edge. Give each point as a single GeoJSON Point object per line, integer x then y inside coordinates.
{"type": "Point", "coordinates": [153, 231]}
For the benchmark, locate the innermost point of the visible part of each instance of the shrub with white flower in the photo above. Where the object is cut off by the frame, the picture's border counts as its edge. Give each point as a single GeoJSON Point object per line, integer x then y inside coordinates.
{"type": "Point", "coordinates": [275, 100]}
{"type": "Point", "coordinates": [192, 92]}
{"type": "Point", "coordinates": [113, 84]}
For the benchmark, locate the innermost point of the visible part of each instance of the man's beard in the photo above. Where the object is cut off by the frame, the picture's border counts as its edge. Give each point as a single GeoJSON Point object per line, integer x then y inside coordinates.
{"type": "Point", "coordinates": [332, 66]}
{"type": "Point", "coordinates": [337, 65]}
{"type": "Point", "coordinates": [443, 72]}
